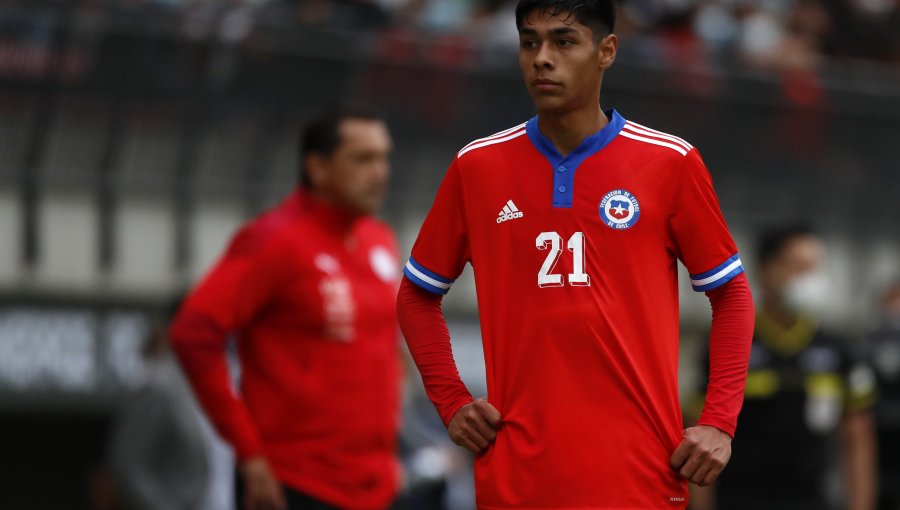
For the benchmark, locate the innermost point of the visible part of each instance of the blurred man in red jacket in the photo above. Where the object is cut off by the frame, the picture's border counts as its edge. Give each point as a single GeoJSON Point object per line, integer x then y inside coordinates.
{"type": "Point", "coordinates": [307, 291]}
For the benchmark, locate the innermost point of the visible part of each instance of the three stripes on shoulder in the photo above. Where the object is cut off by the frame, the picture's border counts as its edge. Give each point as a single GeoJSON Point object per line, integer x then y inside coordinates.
{"type": "Point", "coordinates": [644, 134]}
{"type": "Point", "coordinates": [502, 136]}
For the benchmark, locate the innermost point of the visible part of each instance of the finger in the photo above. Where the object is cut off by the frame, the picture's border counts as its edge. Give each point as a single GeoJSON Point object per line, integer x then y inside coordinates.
{"type": "Point", "coordinates": [711, 476]}
{"type": "Point", "coordinates": [459, 436]}
{"type": "Point", "coordinates": [681, 454]}
{"type": "Point", "coordinates": [475, 436]}
{"type": "Point", "coordinates": [279, 499]}
{"type": "Point", "coordinates": [490, 413]}
{"type": "Point", "coordinates": [700, 473]}
{"type": "Point", "coordinates": [690, 466]}
{"type": "Point", "coordinates": [475, 428]}
{"type": "Point", "coordinates": [270, 503]}
{"type": "Point", "coordinates": [467, 443]}
{"type": "Point", "coordinates": [257, 503]}
{"type": "Point", "coordinates": [272, 496]}
{"type": "Point", "coordinates": [251, 497]}
{"type": "Point", "coordinates": [480, 424]}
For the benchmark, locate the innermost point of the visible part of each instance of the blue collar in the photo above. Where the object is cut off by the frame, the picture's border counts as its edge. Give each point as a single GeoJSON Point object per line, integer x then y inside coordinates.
{"type": "Point", "coordinates": [564, 167]}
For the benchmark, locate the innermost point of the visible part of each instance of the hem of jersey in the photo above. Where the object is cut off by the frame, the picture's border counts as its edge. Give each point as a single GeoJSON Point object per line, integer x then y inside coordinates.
{"type": "Point", "coordinates": [331, 495]}
{"type": "Point", "coordinates": [719, 275]}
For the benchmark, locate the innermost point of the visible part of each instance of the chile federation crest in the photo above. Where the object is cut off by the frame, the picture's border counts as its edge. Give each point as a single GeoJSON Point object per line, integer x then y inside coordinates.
{"type": "Point", "coordinates": [619, 209]}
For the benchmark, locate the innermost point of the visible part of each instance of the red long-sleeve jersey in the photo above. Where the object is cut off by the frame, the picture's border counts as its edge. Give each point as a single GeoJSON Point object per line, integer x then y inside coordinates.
{"type": "Point", "coordinates": [575, 260]}
{"type": "Point", "coordinates": [308, 294]}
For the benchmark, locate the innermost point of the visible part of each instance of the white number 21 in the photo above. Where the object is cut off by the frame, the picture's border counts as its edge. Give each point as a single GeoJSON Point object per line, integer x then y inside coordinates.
{"type": "Point", "coordinates": [553, 242]}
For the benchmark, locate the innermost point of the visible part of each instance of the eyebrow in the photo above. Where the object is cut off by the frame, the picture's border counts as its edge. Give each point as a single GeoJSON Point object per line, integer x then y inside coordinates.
{"type": "Point", "coordinates": [555, 31]}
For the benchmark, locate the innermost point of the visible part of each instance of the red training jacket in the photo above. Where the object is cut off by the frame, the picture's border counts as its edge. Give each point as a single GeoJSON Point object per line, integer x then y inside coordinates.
{"type": "Point", "coordinates": [309, 295]}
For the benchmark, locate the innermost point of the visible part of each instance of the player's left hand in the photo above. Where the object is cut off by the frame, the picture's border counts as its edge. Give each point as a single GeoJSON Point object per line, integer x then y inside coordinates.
{"type": "Point", "coordinates": [702, 455]}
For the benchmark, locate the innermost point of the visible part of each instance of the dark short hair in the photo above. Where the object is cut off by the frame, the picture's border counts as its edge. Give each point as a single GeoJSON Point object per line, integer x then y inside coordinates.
{"type": "Point", "coordinates": [772, 240]}
{"type": "Point", "coordinates": [598, 15]}
{"type": "Point", "coordinates": [322, 135]}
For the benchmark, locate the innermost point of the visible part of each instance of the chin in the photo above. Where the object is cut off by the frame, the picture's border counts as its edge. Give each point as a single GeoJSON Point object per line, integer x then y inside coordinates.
{"type": "Point", "coordinates": [367, 207]}
{"type": "Point", "coordinates": [551, 104]}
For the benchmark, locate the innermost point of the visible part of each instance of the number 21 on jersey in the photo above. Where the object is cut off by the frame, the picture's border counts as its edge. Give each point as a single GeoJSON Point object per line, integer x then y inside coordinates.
{"type": "Point", "coordinates": [552, 242]}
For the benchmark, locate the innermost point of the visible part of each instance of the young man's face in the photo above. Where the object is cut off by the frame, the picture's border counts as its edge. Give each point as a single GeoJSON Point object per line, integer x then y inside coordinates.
{"type": "Point", "coordinates": [562, 61]}
{"type": "Point", "coordinates": [355, 177]}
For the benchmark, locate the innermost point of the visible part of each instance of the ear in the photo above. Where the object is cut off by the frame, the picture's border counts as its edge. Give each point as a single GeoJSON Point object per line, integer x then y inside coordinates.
{"type": "Point", "coordinates": [607, 48]}
{"type": "Point", "coordinates": [317, 169]}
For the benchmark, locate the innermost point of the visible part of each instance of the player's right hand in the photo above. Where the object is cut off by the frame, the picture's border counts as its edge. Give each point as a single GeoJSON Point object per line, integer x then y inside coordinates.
{"type": "Point", "coordinates": [475, 425]}
{"type": "Point", "coordinates": [702, 455]}
{"type": "Point", "coordinates": [262, 491]}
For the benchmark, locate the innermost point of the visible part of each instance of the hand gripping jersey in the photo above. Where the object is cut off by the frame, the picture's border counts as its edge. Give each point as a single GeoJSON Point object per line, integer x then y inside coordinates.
{"type": "Point", "coordinates": [575, 268]}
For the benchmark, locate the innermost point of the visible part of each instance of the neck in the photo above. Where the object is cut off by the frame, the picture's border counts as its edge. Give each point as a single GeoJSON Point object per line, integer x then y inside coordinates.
{"type": "Point", "coordinates": [567, 130]}
{"type": "Point", "coordinates": [337, 214]}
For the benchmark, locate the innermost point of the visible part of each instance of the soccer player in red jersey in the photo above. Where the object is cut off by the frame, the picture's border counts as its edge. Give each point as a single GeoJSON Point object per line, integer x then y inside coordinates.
{"type": "Point", "coordinates": [307, 289]}
{"type": "Point", "coordinates": [574, 222]}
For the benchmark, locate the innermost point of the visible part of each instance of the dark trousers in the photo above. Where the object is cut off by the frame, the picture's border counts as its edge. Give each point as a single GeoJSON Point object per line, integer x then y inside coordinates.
{"type": "Point", "coordinates": [772, 502]}
{"type": "Point", "coordinates": [295, 500]}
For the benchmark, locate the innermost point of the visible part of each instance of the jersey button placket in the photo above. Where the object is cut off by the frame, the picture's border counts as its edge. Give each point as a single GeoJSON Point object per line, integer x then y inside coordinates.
{"type": "Point", "coordinates": [562, 183]}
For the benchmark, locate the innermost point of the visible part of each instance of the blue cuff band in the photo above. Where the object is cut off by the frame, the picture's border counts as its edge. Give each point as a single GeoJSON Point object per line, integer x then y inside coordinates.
{"type": "Point", "coordinates": [719, 275]}
{"type": "Point", "coordinates": [428, 280]}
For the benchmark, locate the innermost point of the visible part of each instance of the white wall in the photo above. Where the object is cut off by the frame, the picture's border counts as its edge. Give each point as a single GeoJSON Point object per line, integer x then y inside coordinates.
{"type": "Point", "coordinates": [10, 236]}
{"type": "Point", "coordinates": [67, 233]}
{"type": "Point", "coordinates": [144, 239]}
{"type": "Point", "coordinates": [144, 236]}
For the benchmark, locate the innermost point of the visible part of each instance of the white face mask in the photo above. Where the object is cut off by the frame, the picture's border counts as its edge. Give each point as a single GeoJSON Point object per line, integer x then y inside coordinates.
{"type": "Point", "coordinates": [809, 293]}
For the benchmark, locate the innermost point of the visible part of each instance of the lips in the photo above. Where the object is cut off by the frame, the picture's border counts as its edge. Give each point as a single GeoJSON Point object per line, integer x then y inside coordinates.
{"type": "Point", "coordinates": [545, 84]}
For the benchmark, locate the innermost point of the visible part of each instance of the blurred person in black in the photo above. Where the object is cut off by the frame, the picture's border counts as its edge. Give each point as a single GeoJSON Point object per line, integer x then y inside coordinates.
{"type": "Point", "coordinates": [159, 450]}
{"type": "Point", "coordinates": [805, 388]}
{"type": "Point", "coordinates": [884, 353]}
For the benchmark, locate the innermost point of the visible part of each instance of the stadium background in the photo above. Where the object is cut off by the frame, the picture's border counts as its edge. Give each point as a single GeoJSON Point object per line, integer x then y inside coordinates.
{"type": "Point", "coordinates": [135, 135]}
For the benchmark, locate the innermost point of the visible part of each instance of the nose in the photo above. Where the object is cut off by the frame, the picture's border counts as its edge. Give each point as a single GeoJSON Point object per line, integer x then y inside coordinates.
{"type": "Point", "coordinates": [544, 57]}
{"type": "Point", "coordinates": [381, 170]}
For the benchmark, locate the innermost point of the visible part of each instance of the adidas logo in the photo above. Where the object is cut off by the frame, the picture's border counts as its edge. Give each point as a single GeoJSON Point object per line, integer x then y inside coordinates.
{"type": "Point", "coordinates": [509, 212]}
